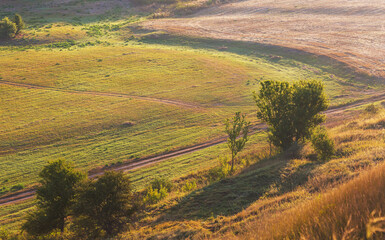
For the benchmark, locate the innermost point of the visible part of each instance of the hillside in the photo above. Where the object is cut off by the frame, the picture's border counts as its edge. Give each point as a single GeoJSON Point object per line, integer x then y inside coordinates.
{"type": "Point", "coordinates": [140, 87]}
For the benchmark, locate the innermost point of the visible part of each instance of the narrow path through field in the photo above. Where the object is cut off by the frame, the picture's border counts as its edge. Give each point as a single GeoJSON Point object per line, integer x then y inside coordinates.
{"type": "Point", "coordinates": [30, 193]}
{"type": "Point", "coordinates": [105, 94]}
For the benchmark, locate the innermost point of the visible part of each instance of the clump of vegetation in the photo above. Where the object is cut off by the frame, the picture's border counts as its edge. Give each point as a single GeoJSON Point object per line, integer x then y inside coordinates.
{"type": "Point", "coordinates": [372, 109]}
{"type": "Point", "coordinates": [18, 20]}
{"type": "Point", "coordinates": [54, 198]}
{"type": "Point", "coordinates": [322, 144]}
{"type": "Point", "coordinates": [237, 130]}
{"type": "Point", "coordinates": [221, 171]}
{"type": "Point", "coordinates": [153, 196]}
{"type": "Point", "coordinates": [158, 183]}
{"type": "Point", "coordinates": [189, 186]}
{"type": "Point", "coordinates": [9, 28]}
{"type": "Point", "coordinates": [292, 111]}
{"type": "Point", "coordinates": [103, 206]}
{"type": "Point", "coordinates": [157, 190]}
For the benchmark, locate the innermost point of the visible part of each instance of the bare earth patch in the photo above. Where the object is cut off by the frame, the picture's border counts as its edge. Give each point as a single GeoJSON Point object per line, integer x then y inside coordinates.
{"type": "Point", "coordinates": [352, 32]}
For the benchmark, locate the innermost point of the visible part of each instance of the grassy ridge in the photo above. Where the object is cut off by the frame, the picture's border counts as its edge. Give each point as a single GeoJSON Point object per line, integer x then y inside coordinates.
{"type": "Point", "coordinates": [283, 196]}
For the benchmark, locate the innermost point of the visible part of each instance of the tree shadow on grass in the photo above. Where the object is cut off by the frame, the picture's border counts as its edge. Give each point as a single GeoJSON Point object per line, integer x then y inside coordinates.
{"type": "Point", "coordinates": [234, 194]}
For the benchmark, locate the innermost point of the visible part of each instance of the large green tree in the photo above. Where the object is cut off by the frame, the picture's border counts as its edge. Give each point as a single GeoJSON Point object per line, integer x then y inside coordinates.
{"type": "Point", "coordinates": [54, 198]}
{"type": "Point", "coordinates": [103, 206]}
{"type": "Point", "coordinates": [237, 130]}
{"type": "Point", "coordinates": [291, 110]}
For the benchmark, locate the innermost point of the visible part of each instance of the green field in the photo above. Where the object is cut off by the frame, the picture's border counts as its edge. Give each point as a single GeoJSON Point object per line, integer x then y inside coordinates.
{"type": "Point", "coordinates": [74, 118]}
{"type": "Point", "coordinates": [71, 100]}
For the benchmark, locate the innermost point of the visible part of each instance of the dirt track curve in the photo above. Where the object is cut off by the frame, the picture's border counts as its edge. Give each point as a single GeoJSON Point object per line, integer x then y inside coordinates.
{"type": "Point", "coordinates": [350, 31]}
{"type": "Point", "coordinates": [105, 94]}
{"type": "Point", "coordinates": [30, 193]}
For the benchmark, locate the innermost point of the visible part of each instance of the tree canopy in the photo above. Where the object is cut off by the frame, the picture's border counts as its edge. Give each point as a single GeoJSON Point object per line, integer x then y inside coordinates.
{"type": "Point", "coordinates": [54, 198]}
{"type": "Point", "coordinates": [290, 110]}
{"type": "Point", "coordinates": [103, 206]}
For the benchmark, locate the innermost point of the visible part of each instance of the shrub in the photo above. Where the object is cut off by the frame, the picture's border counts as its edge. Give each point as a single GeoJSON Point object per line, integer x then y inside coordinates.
{"type": "Point", "coordinates": [18, 20]}
{"type": "Point", "coordinates": [17, 187]}
{"type": "Point", "coordinates": [322, 144]}
{"type": "Point", "coordinates": [189, 186]}
{"type": "Point", "coordinates": [372, 109]}
{"type": "Point", "coordinates": [154, 195]}
{"type": "Point", "coordinates": [221, 171]}
{"type": "Point", "coordinates": [157, 190]}
{"type": "Point", "coordinates": [159, 183]}
{"type": "Point", "coordinates": [8, 29]}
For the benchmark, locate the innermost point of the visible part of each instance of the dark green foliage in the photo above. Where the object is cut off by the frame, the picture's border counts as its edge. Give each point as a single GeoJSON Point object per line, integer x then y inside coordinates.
{"type": "Point", "coordinates": [158, 183]}
{"type": "Point", "coordinates": [54, 198]}
{"type": "Point", "coordinates": [157, 190]}
{"type": "Point", "coordinates": [237, 129]}
{"type": "Point", "coordinates": [8, 29]}
{"type": "Point", "coordinates": [153, 196]}
{"type": "Point", "coordinates": [322, 144]}
{"type": "Point", "coordinates": [16, 187]}
{"type": "Point", "coordinates": [18, 20]}
{"type": "Point", "coordinates": [290, 110]}
{"type": "Point", "coordinates": [103, 206]}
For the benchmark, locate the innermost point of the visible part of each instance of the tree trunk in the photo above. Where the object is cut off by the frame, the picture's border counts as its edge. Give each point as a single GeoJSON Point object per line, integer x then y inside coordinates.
{"type": "Point", "coordinates": [232, 164]}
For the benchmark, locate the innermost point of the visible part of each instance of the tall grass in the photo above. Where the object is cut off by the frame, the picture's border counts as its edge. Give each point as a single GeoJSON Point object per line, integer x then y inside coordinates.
{"type": "Point", "coordinates": [347, 212]}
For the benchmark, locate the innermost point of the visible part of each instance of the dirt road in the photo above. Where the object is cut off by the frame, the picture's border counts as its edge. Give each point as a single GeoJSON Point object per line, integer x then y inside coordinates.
{"type": "Point", "coordinates": [349, 31]}
{"type": "Point", "coordinates": [30, 193]}
{"type": "Point", "coordinates": [105, 94]}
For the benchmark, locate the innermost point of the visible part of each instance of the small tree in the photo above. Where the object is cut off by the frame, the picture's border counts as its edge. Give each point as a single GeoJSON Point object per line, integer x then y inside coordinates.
{"type": "Point", "coordinates": [322, 144]}
{"type": "Point", "coordinates": [103, 205]}
{"type": "Point", "coordinates": [8, 28]}
{"type": "Point", "coordinates": [290, 110]}
{"type": "Point", "coordinates": [237, 129]}
{"type": "Point", "coordinates": [274, 107]}
{"type": "Point", "coordinates": [18, 20]}
{"type": "Point", "coordinates": [54, 198]}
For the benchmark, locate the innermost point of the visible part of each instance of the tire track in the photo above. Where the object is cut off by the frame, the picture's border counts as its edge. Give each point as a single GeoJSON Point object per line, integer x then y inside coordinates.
{"type": "Point", "coordinates": [104, 94]}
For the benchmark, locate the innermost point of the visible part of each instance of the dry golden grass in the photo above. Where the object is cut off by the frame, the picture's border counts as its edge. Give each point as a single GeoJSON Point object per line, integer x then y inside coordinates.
{"type": "Point", "coordinates": [346, 212]}
{"type": "Point", "coordinates": [299, 198]}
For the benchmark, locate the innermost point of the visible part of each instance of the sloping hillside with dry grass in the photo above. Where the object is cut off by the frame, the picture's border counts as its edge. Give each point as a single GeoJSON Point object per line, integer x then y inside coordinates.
{"type": "Point", "coordinates": [283, 196]}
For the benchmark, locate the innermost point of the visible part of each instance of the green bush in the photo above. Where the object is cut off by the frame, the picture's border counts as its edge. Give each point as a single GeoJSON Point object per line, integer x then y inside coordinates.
{"type": "Point", "coordinates": [8, 29]}
{"type": "Point", "coordinates": [157, 190]}
{"type": "Point", "coordinates": [322, 144]}
{"type": "Point", "coordinates": [17, 187]}
{"type": "Point", "coordinates": [154, 195]}
{"type": "Point", "coordinates": [221, 171]}
{"type": "Point", "coordinates": [159, 183]}
{"type": "Point", "coordinates": [18, 20]}
{"type": "Point", "coordinates": [3, 190]}
{"type": "Point", "coordinates": [189, 186]}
